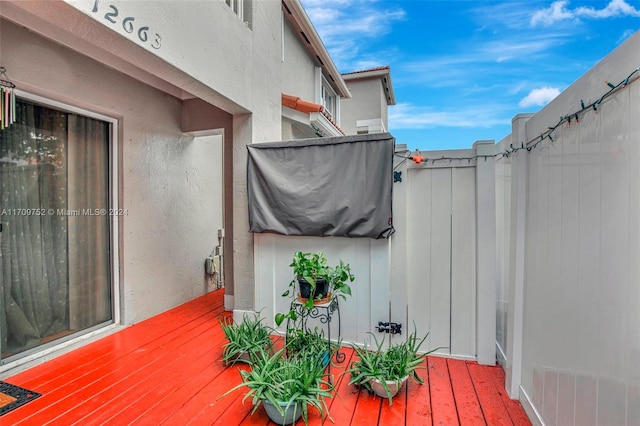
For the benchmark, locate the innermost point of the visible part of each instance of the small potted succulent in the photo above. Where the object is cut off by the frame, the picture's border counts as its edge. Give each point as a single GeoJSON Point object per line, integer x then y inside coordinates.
{"type": "Point", "coordinates": [286, 386]}
{"type": "Point", "coordinates": [249, 336]}
{"type": "Point", "coordinates": [317, 281]}
{"type": "Point", "coordinates": [384, 372]}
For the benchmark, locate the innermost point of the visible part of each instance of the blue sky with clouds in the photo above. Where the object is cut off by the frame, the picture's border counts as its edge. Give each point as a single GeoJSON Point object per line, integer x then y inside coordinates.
{"type": "Point", "coordinates": [463, 69]}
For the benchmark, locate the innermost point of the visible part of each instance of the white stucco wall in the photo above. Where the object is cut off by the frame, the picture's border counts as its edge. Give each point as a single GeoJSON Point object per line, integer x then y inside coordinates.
{"type": "Point", "coordinates": [298, 69]}
{"type": "Point", "coordinates": [203, 39]}
{"type": "Point", "coordinates": [263, 125]}
{"type": "Point", "coordinates": [206, 52]}
{"type": "Point", "coordinates": [367, 102]}
{"type": "Point", "coordinates": [228, 64]}
{"type": "Point", "coordinates": [171, 183]}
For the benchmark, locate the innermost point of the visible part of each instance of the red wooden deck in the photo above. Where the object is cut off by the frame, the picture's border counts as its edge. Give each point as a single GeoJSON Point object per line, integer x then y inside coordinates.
{"type": "Point", "coordinates": [168, 371]}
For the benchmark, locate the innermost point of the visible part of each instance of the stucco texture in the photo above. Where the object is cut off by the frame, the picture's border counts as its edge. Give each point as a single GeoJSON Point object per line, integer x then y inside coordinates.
{"type": "Point", "coordinates": [170, 182]}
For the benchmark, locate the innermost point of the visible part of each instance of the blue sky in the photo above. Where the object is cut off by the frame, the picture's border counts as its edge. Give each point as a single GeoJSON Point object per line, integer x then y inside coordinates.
{"type": "Point", "coordinates": [462, 69]}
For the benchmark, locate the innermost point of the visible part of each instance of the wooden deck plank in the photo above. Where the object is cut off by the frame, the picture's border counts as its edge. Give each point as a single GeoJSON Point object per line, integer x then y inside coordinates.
{"type": "Point", "coordinates": [234, 415]}
{"type": "Point", "coordinates": [67, 391]}
{"type": "Point", "coordinates": [516, 412]}
{"type": "Point", "coordinates": [168, 371]}
{"type": "Point", "coordinates": [210, 405]}
{"type": "Point", "coordinates": [259, 418]}
{"type": "Point", "coordinates": [147, 386]}
{"type": "Point", "coordinates": [337, 370]}
{"type": "Point", "coordinates": [419, 400]}
{"type": "Point", "coordinates": [346, 397]}
{"type": "Point", "coordinates": [442, 400]}
{"type": "Point", "coordinates": [109, 381]}
{"type": "Point", "coordinates": [127, 340]}
{"type": "Point", "coordinates": [112, 400]}
{"type": "Point", "coordinates": [367, 410]}
{"type": "Point", "coordinates": [171, 406]}
{"type": "Point", "coordinates": [494, 410]}
{"type": "Point", "coordinates": [467, 404]}
{"type": "Point", "coordinates": [395, 413]}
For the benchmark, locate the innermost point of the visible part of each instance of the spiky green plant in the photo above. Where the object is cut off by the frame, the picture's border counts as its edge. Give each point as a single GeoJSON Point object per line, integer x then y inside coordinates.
{"type": "Point", "coordinates": [277, 379]}
{"type": "Point", "coordinates": [393, 365]}
{"type": "Point", "coordinates": [309, 343]}
{"type": "Point", "coordinates": [248, 337]}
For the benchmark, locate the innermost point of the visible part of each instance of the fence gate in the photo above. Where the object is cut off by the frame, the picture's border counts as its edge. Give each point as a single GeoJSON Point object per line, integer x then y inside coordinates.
{"type": "Point", "coordinates": [441, 257]}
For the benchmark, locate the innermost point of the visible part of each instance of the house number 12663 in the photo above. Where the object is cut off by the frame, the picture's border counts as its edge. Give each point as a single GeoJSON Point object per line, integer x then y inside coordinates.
{"type": "Point", "coordinates": [128, 24]}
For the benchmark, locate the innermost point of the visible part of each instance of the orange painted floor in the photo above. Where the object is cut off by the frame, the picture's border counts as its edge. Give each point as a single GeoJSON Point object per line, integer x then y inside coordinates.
{"type": "Point", "coordinates": [168, 371]}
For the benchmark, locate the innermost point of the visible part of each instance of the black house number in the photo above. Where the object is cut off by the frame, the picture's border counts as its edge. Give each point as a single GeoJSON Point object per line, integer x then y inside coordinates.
{"type": "Point", "coordinates": [129, 25]}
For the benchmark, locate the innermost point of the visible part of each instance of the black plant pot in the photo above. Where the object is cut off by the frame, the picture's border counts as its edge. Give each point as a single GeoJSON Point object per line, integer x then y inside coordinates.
{"type": "Point", "coordinates": [321, 290]}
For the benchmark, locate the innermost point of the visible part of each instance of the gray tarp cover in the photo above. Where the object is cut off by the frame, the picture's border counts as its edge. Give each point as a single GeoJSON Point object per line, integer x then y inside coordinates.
{"type": "Point", "coordinates": [337, 186]}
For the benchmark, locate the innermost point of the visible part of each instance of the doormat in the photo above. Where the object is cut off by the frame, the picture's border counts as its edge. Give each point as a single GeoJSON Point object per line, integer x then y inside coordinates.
{"type": "Point", "coordinates": [12, 397]}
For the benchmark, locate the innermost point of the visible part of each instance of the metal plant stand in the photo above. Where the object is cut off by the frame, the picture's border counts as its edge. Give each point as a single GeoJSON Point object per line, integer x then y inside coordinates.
{"type": "Point", "coordinates": [324, 312]}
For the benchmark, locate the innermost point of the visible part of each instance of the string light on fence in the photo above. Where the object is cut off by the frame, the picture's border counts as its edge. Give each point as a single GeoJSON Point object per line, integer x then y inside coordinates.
{"type": "Point", "coordinates": [533, 143]}
{"type": "Point", "coordinates": [417, 157]}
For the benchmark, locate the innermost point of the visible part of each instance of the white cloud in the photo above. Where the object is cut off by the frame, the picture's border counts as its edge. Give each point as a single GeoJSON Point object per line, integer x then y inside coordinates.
{"type": "Point", "coordinates": [539, 97]}
{"type": "Point", "coordinates": [558, 11]}
{"type": "Point", "coordinates": [346, 25]}
{"type": "Point", "coordinates": [613, 9]}
{"type": "Point", "coordinates": [408, 116]}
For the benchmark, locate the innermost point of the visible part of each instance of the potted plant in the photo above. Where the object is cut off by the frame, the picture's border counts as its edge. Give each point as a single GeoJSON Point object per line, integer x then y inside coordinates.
{"type": "Point", "coordinates": [384, 372]}
{"type": "Point", "coordinates": [311, 344]}
{"type": "Point", "coordinates": [286, 386]}
{"type": "Point", "coordinates": [317, 281]}
{"type": "Point", "coordinates": [312, 274]}
{"type": "Point", "coordinates": [245, 338]}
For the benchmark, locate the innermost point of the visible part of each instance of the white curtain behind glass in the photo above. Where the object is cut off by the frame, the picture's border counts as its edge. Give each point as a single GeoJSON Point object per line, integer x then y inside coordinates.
{"type": "Point", "coordinates": [55, 272]}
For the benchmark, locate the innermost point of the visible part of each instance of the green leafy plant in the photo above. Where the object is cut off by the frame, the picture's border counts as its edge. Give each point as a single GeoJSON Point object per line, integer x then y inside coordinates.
{"type": "Point", "coordinates": [395, 364]}
{"type": "Point", "coordinates": [309, 344]}
{"type": "Point", "coordinates": [249, 336]}
{"type": "Point", "coordinates": [297, 382]}
{"type": "Point", "coordinates": [312, 267]}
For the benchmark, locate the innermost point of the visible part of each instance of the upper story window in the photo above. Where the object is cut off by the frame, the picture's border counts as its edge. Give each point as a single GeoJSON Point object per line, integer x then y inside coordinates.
{"type": "Point", "coordinates": [242, 8]}
{"type": "Point", "coordinates": [328, 99]}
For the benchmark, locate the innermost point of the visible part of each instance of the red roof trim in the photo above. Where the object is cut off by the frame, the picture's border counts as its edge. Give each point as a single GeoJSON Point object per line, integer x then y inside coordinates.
{"type": "Point", "coordinates": [301, 105]}
{"type": "Point", "coordinates": [328, 117]}
{"type": "Point", "coordinates": [307, 107]}
{"type": "Point", "coordinates": [384, 68]}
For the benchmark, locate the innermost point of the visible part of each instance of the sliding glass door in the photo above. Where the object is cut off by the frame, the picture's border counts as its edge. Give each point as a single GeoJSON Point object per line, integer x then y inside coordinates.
{"type": "Point", "coordinates": [55, 272]}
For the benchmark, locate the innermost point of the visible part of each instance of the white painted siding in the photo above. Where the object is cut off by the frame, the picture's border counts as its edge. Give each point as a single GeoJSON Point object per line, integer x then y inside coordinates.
{"type": "Point", "coordinates": [369, 260]}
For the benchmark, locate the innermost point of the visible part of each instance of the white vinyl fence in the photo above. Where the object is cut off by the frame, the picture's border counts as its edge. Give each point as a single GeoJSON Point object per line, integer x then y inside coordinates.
{"type": "Point", "coordinates": [569, 252]}
{"type": "Point", "coordinates": [427, 276]}
{"type": "Point", "coordinates": [531, 258]}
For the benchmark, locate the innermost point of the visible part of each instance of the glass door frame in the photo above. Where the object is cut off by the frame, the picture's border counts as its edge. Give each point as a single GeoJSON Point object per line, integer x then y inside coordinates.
{"type": "Point", "coordinates": [114, 239]}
